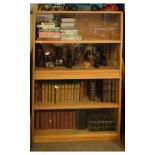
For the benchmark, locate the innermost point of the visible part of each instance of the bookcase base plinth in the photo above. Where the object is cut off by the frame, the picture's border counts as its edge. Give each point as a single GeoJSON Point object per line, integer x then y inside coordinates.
{"type": "Point", "coordinates": [71, 135]}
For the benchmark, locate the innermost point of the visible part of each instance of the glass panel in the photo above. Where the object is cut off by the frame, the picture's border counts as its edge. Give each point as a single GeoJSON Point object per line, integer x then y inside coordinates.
{"type": "Point", "coordinates": [78, 26]}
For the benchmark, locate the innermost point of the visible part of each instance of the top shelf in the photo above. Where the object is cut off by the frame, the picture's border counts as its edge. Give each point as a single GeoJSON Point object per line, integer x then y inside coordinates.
{"type": "Point", "coordinates": [77, 12]}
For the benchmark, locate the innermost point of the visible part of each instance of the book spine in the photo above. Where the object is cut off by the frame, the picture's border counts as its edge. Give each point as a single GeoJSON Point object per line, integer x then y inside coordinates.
{"type": "Point", "coordinates": [108, 90]}
{"type": "Point", "coordinates": [53, 94]}
{"type": "Point", "coordinates": [50, 119]}
{"type": "Point", "coordinates": [54, 119]}
{"type": "Point", "coordinates": [105, 90]}
{"type": "Point", "coordinates": [65, 120]}
{"type": "Point", "coordinates": [43, 92]}
{"type": "Point", "coordinates": [46, 93]}
{"type": "Point", "coordinates": [40, 92]}
{"type": "Point", "coordinates": [113, 89]}
{"type": "Point", "coordinates": [72, 93]}
{"type": "Point", "coordinates": [62, 93]}
{"type": "Point", "coordinates": [58, 119]}
{"type": "Point", "coordinates": [74, 120]}
{"type": "Point", "coordinates": [81, 90]}
{"type": "Point", "coordinates": [37, 120]}
{"type": "Point", "coordinates": [49, 93]}
{"type": "Point", "coordinates": [43, 120]}
{"type": "Point", "coordinates": [56, 93]}
{"type": "Point", "coordinates": [70, 119]}
{"type": "Point", "coordinates": [78, 92]}
{"type": "Point", "coordinates": [46, 119]}
{"type": "Point", "coordinates": [36, 94]}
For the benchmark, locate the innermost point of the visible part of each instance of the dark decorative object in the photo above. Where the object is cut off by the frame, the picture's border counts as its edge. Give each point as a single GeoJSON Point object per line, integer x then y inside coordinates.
{"type": "Point", "coordinates": [68, 58]}
{"type": "Point", "coordinates": [77, 56]}
{"type": "Point", "coordinates": [40, 56]}
{"type": "Point", "coordinates": [48, 59]}
{"type": "Point", "coordinates": [59, 61]}
{"type": "Point", "coordinates": [96, 57]}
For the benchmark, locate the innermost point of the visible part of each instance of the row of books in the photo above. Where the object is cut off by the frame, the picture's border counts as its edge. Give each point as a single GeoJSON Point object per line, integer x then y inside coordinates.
{"type": "Point", "coordinates": [55, 119]}
{"type": "Point", "coordinates": [74, 119]}
{"type": "Point", "coordinates": [57, 93]}
{"type": "Point", "coordinates": [107, 89]}
{"type": "Point", "coordinates": [66, 31]}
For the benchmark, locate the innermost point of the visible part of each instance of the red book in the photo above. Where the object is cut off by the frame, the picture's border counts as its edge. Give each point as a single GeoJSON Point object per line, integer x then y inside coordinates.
{"type": "Point", "coordinates": [36, 92]}
{"type": "Point", "coordinates": [46, 119]}
{"type": "Point", "coordinates": [66, 120]}
{"type": "Point", "coordinates": [43, 120]}
{"type": "Point", "coordinates": [54, 120]}
{"type": "Point", "coordinates": [70, 118]}
{"type": "Point", "coordinates": [58, 119]}
{"type": "Point", "coordinates": [50, 120]}
{"type": "Point", "coordinates": [62, 119]}
{"type": "Point", "coordinates": [74, 119]}
{"type": "Point", "coordinates": [37, 120]}
{"type": "Point", "coordinates": [40, 92]}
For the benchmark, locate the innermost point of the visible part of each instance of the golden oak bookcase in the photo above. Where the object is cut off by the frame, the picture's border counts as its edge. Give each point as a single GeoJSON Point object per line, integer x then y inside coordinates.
{"type": "Point", "coordinates": [57, 135]}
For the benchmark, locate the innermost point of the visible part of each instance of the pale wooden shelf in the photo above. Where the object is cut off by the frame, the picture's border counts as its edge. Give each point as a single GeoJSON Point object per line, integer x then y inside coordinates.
{"type": "Point", "coordinates": [65, 73]}
{"type": "Point", "coordinates": [83, 41]}
{"type": "Point", "coordinates": [57, 135]}
{"type": "Point", "coordinates": [78, 105]}
{"type": "Point", "coordinates": [77, 12]}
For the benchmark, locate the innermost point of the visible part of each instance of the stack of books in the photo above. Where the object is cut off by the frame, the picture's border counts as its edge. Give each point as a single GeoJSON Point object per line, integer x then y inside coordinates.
{"type": "Point", "coordinates": [68, 29]}
{"type": "Point", "coordinates": [48, 30]}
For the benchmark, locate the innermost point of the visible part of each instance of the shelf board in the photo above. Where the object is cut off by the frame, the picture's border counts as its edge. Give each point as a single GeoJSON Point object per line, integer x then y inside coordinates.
{"type": "Point", "coordinates": [83, 41]}
{"type": "Point", "coordinates": [60, 135]}
{"type": "Point", "coordinates": [77, 12]}
{"type": "Point", "coordinates": [78, 105]}
{"type": "Point", "coordinates": [74, 73]}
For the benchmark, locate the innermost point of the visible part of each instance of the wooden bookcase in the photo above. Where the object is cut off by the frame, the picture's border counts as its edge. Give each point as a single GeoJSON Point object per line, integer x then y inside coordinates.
{"type": "Point", "coordinates": [109, 72]}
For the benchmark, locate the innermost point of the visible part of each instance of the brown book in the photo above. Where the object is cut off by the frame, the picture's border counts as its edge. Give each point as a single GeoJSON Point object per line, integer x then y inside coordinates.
{"type": "Point", "coordinates": [37, 120]}
{"type": "Point", "coordinates": [105, 90]}
{"type": "Point", "coordinates": [113, 90]}
{"type": "Point", "coordinates": [74, 120]}
{"type": "Point", "coordinates": [72, 92]}
{"type": "Point", "coordinates": [62, 93]}
{"type": "Point", "coordinates": [46, 119]}
{"type": "Point", "coordinates": [56, 93]}
{"type": "Point", "coordinates": [66, 93]}
{"type": "Point", "coordinates": [43, 120]}
{"type": "Point", "coordinates": [66, 124]}
{"type": "Point", "coordinates": [69, 92]}
{"type": "Point", "coordinates": [108, 90]}
{"type": "Point", "coordinates": [58, 119]}
{"type": "Point", "coordinates": [75, 92]}
{"type": "Point", "coordinates": [78, 92]}
{"type": "Point", "coordinates": [43, 93]}
{"type": "Point", "coordinates": [53, 94]}
{"type": "Point", "coordinates": [70, 119]}
{"type": "Point", "coordinates": [81, 90]}
{"type": "Point", "coordinates": [50, 120]}
{"type": "Point", "coordinates": [49, 93]}
{"type": "Point", "coordinates": [40, 92]}
{"type": "Point", "coordinates": [62, 120]}
{"type": "Point", "coordinates": [54, 119]}
{"type": "Point", "coordinates": [36, 94]}
{"type": "Point", "coordinates": [46, 92]}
